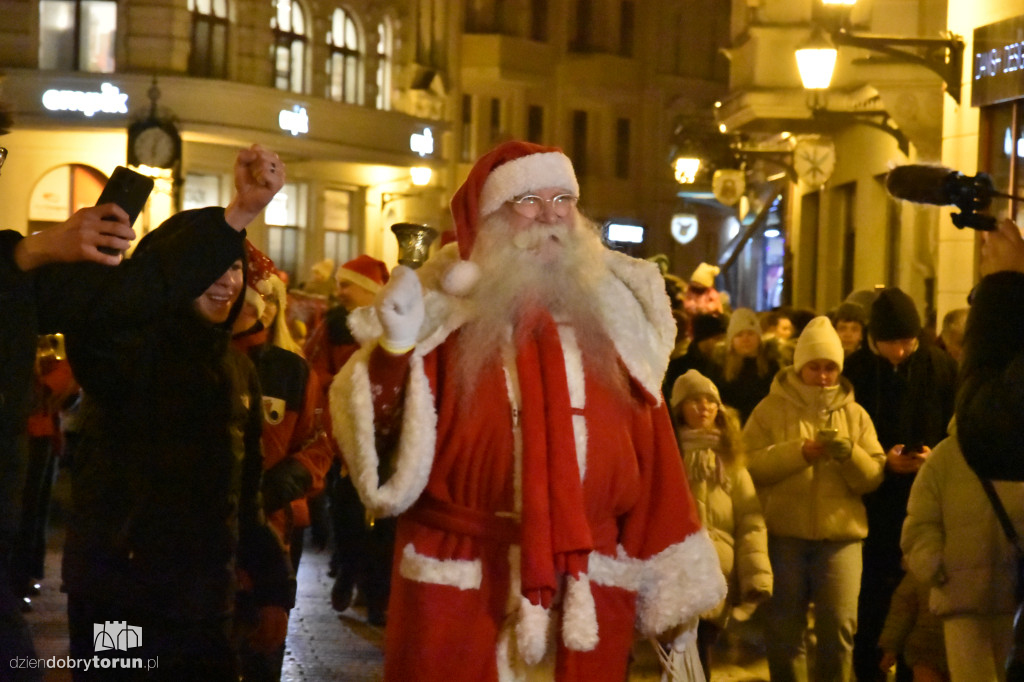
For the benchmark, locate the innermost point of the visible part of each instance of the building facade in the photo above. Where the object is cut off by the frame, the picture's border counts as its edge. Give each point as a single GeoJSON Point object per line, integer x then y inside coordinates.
{"type": "Point", "coordinates": [841, 230]}
{"type": "Point", "coordinates": [338, 90]}
{"type": "Point", "coordinates": [353, 95]}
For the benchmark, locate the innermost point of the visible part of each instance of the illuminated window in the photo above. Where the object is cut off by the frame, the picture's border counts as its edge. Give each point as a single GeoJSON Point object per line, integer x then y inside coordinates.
{"type": "Point", "coordinates": [77, 35]}
{"type": "Point", "coordinates": [385, 53]}
{"type": "Point", "coordinates": [286, 227]}
{"type": "Point", "coordinates": [339, 238]}
{"type": "Point", "coordinates": [290, 42]}
{"type": "Point", "coordinates": [345, 64]}
{"type": "Point", "coordinates": [209, 56]}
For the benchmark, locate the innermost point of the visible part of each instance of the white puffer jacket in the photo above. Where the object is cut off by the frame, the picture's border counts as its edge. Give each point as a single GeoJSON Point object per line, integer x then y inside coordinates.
{"type": "Point", "coordinates": [820, 501]}
{"type": "Point", "coordinates": [953, 541]}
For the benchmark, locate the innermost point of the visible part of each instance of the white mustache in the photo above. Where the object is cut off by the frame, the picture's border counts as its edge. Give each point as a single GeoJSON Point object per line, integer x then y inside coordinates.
{"type": "Point", "coordinates": [533, 238]}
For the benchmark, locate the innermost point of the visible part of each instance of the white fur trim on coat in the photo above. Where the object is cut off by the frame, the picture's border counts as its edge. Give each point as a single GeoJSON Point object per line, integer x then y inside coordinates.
{"type": "Point", "coordinates": [678, 584]}
{"type": "Point", "coordinates": [526, 174]}
{"type": "Point", "coordinates": [579, 615]}
{"type": "Point", "coordinates": [460, 573]}
{"type": "Point", "coordinates": [351, 406]}
{"type": "Point", "coordinates": [532, 631]}
{"type": "Point", "coordinates": [638, 317]}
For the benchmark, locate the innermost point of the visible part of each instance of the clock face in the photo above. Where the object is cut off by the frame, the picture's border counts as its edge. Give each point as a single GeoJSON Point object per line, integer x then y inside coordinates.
{"type": "Point", "coordinates": [155, 147]}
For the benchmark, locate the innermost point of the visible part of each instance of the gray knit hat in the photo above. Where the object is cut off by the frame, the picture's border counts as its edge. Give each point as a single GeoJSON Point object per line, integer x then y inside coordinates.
{"type": "Point", "coordinates": [691, 384]}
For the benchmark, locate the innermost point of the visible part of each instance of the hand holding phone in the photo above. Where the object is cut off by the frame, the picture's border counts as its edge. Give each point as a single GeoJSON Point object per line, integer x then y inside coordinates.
{"type": "Point", "coordinates": [130, 191]}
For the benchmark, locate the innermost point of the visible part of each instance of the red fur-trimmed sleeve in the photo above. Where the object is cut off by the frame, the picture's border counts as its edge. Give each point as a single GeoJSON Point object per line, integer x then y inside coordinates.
{"type": "Point", "coordinates": [382, 406]}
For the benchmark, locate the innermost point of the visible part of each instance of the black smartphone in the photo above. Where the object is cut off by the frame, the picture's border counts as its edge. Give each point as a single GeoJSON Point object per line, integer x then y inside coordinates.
{"type": "Point", "coordinates": [130, 191]}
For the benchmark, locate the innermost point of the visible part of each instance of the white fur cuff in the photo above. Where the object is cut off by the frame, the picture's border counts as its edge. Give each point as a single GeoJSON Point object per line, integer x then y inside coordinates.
{"type": "Point", "coordinates": [679, 584]}
{"type": "Point", "coordinates": [579, 615]}
{"type": "Point", "coordinates": [532, 631]}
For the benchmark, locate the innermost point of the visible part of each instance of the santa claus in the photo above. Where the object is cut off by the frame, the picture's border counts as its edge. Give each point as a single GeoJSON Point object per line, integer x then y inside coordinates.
{"type": "Point", "coordinates": [505, 403]}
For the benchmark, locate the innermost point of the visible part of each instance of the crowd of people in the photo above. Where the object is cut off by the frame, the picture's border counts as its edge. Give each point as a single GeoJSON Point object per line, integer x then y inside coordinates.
{"type": "Point", "coordinates": [531, 456]}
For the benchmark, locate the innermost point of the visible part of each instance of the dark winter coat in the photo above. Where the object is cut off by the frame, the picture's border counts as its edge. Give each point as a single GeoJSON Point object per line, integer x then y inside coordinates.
{"type": "Point", "coordinates": [990, 402]}
{"type": "Point", "coordinates": [165, 483]}
{"type": "Point", "coordinates": [912, 404]}
{"type": "Point", "coordinates": [693, 358]}
{"type": "Point", "coordinates": [18, 332]}
{"type": "Point", "coordinates": [748, 388]}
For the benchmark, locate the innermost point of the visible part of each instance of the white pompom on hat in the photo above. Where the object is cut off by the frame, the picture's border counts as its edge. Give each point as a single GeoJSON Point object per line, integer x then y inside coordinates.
{"type": "Point", "coordinates": [692, 383]}
{"type": "Point", "coordinates": [818, 341]}
{"type": "Point", "coordinates": [704, 275]}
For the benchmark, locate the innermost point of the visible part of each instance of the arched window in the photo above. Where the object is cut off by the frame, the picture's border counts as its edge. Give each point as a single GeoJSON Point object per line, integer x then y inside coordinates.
{"type": "Point", "coordinates": [385, 52]}
{"type": "Point", "coordinates": [77, 35]}
{"type": "Point", "coordinates": [209, 56]}
{"type": "Point", "coordinates": [345, 63]}
{"type": "Point", "coordinates": [290, 42]}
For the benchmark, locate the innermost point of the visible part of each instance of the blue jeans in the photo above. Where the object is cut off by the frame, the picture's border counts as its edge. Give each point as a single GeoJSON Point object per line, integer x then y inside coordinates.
{"type": "Point", "coordinates": [820, 572]}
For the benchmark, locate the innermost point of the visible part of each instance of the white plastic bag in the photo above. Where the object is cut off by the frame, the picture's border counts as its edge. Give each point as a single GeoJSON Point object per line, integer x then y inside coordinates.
{"type": "Point", "coordinates": [679, 665]}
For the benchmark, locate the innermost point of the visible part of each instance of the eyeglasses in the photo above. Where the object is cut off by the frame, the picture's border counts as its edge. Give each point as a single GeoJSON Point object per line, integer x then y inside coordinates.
{"type": "Point", "coordinates": [3, 156]}
{"type": "Point", "coordinates": [531, 205]}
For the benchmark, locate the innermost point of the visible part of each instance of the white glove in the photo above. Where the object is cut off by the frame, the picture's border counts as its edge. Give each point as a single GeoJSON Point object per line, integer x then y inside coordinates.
{"type": "Point", "coordinates": [400, 310]}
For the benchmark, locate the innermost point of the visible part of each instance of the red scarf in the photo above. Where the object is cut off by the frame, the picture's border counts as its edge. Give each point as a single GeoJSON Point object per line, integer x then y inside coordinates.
{"type": "Point", "coordinates": [555, 533]}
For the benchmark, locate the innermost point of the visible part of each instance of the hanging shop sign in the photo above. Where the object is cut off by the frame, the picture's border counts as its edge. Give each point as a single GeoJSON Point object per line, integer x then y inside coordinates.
{"type": "Point", "coordinates": [997, 71]}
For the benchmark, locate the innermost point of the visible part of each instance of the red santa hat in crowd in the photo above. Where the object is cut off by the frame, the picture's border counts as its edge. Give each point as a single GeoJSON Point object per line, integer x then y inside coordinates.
{"type": "Point", "coordinates": [366, 271]}
{"type": "Point", "coordinates": [259, 268]}
{"type": "Point", "coordinates": [509, 170]}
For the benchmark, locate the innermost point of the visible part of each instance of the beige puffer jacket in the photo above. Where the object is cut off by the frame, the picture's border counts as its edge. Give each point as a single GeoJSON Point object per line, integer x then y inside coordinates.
{"type": "Point", "coordinates": [952, 539]}
{"type": "Point", "coordinates": [820, 501]}
{"type": "Point", "coordinates": [728, 507]}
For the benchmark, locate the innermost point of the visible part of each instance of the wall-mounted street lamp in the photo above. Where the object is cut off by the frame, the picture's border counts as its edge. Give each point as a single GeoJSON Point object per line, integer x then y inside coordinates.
{"type": "Point", "coordinates": [944, 56]}
{"type": "Point", "coordinates": [816, 60]}
{"type": "Point", "coordinates": [685, 169]}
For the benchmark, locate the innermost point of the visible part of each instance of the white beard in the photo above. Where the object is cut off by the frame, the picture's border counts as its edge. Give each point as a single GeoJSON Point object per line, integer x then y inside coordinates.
{"type": "Point", "coordinates": [553, 267]}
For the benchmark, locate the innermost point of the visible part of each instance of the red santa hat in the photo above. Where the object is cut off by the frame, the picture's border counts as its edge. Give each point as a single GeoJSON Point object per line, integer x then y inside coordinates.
{"type": "Point", "coordinates": [259, 267]}
{"type": "Point", "coordinates": [509, 170]}
{"type": "Point", "coordinates": [366, 271]}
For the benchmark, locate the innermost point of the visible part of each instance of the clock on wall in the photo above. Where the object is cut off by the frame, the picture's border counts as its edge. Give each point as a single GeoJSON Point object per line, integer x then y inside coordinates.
{"type": "Point", "coordinates": [153, 143]}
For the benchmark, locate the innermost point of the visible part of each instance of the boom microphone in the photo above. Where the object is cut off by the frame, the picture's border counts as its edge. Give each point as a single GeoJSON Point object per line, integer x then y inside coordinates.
{"type": "Point", "coordinates": [940, 186]}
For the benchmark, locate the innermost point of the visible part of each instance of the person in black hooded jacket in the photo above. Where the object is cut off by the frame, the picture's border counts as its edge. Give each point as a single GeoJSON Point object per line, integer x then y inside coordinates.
{"type": "Point", "coordinates": [165, 483]}
{"type": "Point", "coordinates": [75, 239]}
{"type": "Point", "coordinates": [908, 386]}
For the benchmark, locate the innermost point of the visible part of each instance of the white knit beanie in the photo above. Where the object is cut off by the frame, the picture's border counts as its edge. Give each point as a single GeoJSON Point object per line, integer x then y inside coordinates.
{"type": "Point", "coordinates": [691, 384]}
{"type": "Point", "coordinates": [742, 319]}
{"type": "Point", "coordinates": [818, 341]}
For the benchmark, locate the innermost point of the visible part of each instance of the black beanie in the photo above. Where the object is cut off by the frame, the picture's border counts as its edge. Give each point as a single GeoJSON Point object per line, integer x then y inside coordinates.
{"type": "Point", "coordinates": [894, 316]}
{"type": "Point", "coordinates": [706, 326]}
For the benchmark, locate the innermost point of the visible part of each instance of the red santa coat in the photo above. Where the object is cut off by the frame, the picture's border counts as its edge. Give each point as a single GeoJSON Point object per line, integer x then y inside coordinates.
{"type": "Point", "coordinates": [455, 610]}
